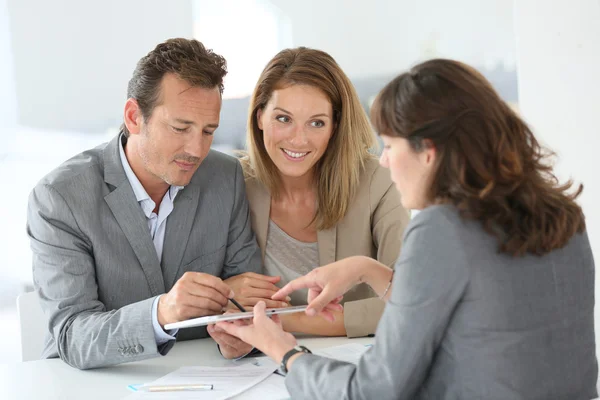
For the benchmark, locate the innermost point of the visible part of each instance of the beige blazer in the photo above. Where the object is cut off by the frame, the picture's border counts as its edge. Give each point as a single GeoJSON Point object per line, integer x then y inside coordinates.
{"type": "Point", "coordinates": [373, 227]}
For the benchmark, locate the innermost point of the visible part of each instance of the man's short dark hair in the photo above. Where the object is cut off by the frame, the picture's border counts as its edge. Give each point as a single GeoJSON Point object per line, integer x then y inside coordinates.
{"type": "Point", "coordinates": [186, 58]}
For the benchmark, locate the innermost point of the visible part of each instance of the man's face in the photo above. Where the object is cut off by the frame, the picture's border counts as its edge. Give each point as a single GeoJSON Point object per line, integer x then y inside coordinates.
{"type": "Point", "coordinates": [177, 136]}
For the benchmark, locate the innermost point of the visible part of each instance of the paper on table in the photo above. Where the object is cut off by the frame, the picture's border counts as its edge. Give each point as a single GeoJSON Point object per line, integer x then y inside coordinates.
{"type": "Point", "coordinates": [227, 381]}
{"type": "Point", "coordinates": [350, 352]}
{"type": "Point", "coordinates": [273, 388]}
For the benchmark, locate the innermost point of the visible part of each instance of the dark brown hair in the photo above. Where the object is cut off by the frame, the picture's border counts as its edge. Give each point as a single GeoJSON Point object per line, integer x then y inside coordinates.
{"type": "Point", "coordinates": [188, 59]}
{"type": "Point", "coordinates": [489, 163]}
{"type": "Point", "coordinates": [337, 172]}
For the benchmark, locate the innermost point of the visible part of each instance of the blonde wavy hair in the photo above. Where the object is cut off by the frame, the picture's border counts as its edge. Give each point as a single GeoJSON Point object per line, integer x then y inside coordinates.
{"type": "Point", "coordinates": [337, 172]}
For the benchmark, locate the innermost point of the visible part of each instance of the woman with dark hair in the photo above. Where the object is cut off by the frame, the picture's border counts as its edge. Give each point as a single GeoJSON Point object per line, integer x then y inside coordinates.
{"type": "Point", "coordinates": [493, 293]}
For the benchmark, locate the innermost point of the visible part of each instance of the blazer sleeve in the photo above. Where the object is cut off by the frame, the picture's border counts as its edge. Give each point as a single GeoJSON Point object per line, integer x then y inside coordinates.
{"type": "Point", "coordinates": [430, 280]}
{"type": "Point", "coordinates": [86, 334]}
{"type": "Point", "coordinates": [243, 253]}
{"type": "Point", "coordinates": [389, 220]}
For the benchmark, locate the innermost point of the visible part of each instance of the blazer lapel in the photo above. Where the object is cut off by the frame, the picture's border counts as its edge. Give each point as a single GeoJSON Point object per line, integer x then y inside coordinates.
{"type": "Point", "coordinates": [130, 217]}
{"type": "Point", "coordinates": [179, 226]}
{"type": "Point", "coordinates": [326, 241]}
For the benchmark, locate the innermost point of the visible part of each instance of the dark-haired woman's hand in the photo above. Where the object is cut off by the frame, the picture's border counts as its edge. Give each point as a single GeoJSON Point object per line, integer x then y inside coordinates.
{"type": "Point", "coordinates": [326, 285]}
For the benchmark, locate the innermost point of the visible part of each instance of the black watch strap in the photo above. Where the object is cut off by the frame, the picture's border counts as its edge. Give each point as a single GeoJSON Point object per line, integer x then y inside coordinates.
{"type": "Point", "coordinates": [286, 357]}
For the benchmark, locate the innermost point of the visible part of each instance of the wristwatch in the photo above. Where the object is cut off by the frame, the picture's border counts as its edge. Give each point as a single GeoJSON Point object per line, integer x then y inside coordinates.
{"type": "Point", "coordinates": [286, 357]}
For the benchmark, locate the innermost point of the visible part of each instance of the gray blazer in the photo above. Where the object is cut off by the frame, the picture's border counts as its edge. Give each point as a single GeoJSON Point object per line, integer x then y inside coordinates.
{"type": "Point", "coordinates": [467, 322]}
{"type": "Point", "coordinates": [94, 264]}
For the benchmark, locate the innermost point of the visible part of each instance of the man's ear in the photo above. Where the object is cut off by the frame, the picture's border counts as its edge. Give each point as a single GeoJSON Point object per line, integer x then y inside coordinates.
{"type": "Point", "coordinates": [132, 116]}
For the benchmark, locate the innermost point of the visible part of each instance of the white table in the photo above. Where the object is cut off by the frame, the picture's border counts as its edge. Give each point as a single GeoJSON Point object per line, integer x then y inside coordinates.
{"type": "Point", "coordinates": [53, 379]}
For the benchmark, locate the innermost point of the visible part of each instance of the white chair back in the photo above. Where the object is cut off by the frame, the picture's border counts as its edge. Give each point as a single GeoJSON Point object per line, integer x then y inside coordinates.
{"type": "Point", "coordinates": [32, 326]}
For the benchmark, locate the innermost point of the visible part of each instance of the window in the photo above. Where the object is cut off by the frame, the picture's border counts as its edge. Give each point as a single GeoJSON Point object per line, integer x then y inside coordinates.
{"type": "Point", "coordinates": [248, 33]}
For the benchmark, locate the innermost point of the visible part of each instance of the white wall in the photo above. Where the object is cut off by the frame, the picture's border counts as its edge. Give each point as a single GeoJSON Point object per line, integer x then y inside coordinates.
{"type": "Point", "coordinates": [558, 57]}
{"type": "Point", "coordinates": [369, 37]}
{"type": "Point", "coordinates": [63, 48]}
{"type": "Point", "coordinates": [8, 97]}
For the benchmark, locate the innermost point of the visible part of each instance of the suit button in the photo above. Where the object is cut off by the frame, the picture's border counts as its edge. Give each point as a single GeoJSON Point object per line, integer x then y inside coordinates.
{"type": "Point", "coordinates": [139, 348]}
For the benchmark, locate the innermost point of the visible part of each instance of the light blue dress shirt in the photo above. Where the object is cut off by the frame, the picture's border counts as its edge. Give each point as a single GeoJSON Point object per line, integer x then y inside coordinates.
{"type": "Point", "coordinates": [157, 226]}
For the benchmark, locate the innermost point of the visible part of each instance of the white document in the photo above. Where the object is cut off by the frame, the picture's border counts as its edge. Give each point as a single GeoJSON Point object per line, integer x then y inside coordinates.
{"type": "Point", "coordinates": [227, 381]}
{"type": "Point", "coordinates": [273, 388]}
{"type": "Point", "coordinates": [350, 352]}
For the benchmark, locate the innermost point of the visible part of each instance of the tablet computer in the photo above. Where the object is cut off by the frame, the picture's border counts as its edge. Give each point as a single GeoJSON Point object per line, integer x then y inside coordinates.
{"type": "Point", "coordinates": [213, 319]}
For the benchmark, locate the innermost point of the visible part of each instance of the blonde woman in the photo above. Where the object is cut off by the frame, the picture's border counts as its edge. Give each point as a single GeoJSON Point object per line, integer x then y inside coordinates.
{"type": "Point", "coordinates": [316, 193]}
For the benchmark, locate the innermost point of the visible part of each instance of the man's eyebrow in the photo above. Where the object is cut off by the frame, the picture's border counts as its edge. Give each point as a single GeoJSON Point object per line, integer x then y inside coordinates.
{"type": "Point", "coordinates": [184, 121]}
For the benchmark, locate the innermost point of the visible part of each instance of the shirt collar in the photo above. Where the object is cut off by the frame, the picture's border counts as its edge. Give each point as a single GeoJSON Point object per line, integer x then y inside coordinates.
{"type": "Point", "coordinates": [140, 193]}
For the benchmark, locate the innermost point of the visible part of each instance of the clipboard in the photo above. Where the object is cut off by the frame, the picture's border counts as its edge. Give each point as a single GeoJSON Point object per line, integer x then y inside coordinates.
{"type": "Point", "coordinates": [213, 319]}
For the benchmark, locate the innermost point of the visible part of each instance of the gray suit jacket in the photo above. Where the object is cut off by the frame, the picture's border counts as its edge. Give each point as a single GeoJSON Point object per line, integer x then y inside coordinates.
{"type": "Point", "coordinates": [94, 264]}
{"type": "Point", "coordinates": [467, 322]}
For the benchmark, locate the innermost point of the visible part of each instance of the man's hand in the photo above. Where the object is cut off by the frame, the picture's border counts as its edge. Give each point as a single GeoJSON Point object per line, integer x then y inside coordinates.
{"type": "Point", "coordinates": [195, 294]}
{"type": "Point", "coordinates": [250, 288]}
{"type": "Point", "coordinates": [230, 346]}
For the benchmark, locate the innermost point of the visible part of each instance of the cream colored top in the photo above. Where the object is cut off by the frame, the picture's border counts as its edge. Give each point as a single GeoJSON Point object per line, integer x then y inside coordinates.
{"type": "Point", "coordinates": [289, 258]}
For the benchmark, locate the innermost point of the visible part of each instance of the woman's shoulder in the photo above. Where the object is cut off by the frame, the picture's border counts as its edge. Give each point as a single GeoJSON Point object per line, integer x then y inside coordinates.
{"type": "Point", "coordinates": [377, 196]}
{"type": "Point", "coordinates": [440, 228]}
{"type": "Point", "coordinates": [254, 188]}
{"type": "Point", "coordinates": [248, 170]}
{"type": "Point", "coordinates": [374, 177]}
{"type": "Point", "coordinates": [375, 186]}
{"type": "Point", "coordinates": [440, 215]}
{"type": "Point", "coordinates": [444, 223]}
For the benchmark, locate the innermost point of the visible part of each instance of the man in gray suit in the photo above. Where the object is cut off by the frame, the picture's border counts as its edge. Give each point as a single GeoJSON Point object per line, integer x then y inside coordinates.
{"type": "Point", "coordinates": [146, 229]}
